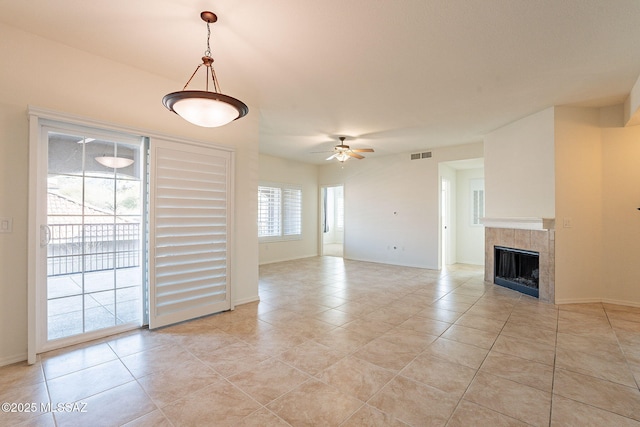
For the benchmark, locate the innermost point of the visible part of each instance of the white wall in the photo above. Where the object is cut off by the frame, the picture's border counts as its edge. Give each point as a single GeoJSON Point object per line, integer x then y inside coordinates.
{"type": "Point", "coordinates": [275, 169]}
{"type": "Point", "coordinates": [520, 168]}
{"type": "Point", "coordinates": [75, 82]}
{"type": "Point", "coordinates": [470, 238]}
{"type": "Point", "coordinates": [393, 201]}
{"type": "Point", "coordinates": [620, 215]}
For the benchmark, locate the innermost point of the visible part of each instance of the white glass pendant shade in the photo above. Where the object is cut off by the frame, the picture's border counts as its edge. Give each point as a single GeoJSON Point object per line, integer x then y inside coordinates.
{"type": "Point", "coordinates": [114, 162]}
{"type": "Point", "coordinates": [205, 112]}
{"type": "Point", "coordinates": [206, 109]}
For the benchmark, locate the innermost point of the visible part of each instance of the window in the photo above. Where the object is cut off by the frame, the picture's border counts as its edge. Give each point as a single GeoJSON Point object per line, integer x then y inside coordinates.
{"type": "Point", "coordinates": [477, 201]}
{"type": "Point", "coordinates": [279, 212]}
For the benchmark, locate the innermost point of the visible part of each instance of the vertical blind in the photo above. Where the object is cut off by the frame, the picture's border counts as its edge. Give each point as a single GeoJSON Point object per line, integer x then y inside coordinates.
{"type": "Point", "coordinates": [190, 195]}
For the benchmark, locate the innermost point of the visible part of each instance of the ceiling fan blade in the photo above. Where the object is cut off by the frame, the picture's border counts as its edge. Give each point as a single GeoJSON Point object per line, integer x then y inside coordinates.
{"type": "Point", "coordinates": [357, 156]}
{"type": "Point", "coordinates": [331, 157]}
{"type": "Point", "coordinates": [362, 150]}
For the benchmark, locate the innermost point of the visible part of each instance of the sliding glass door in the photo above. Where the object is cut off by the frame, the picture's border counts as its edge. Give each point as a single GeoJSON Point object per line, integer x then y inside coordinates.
{"type": "Point", "coordinates": [93, 234]}
{"type": "Point", "coordinates": [124, 231]}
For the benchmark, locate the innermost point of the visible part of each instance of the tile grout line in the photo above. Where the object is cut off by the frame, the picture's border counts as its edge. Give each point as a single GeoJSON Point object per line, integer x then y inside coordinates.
{"type": "Point", "coordinates": [626, 359]}
{"type": "Point", "coordinates": [480, 367]}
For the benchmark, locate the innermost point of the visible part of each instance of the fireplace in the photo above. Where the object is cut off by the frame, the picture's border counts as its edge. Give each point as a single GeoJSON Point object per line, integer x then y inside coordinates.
{"type": "Point", "coordinates": [517, 269]}
{"type": "Point", "coordinates": [529, 235]}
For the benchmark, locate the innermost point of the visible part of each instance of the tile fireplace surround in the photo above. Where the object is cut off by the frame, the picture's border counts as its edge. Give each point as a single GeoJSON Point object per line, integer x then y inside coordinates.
{"type": "Point", "coordinates": [537, 236]}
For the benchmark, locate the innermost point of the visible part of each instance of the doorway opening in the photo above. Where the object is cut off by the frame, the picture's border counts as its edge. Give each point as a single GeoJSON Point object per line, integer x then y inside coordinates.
{"type": "Point", "coordinates": [461, 210]}
{"type": "Point", "coordinates": [332, 224]}
{"type": "Point", "coordinates": [445, 220]}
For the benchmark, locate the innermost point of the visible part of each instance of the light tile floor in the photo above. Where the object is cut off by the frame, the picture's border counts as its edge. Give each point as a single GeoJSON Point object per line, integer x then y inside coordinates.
{"type": "Point", "coordinates": [344, 343]}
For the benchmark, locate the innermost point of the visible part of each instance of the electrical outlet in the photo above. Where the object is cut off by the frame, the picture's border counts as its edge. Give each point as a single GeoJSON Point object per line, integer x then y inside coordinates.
{"type": "Point", "coordinates": [6, 225]}
{"type": "Point", "coordinates": [567, 223]}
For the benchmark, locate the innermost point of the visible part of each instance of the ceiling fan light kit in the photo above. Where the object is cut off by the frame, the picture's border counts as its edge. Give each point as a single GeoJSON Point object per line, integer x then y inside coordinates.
{"type": "Point", "coordinates": [343, 152]}
{"type": "Point", "coordinates": [205, 108]}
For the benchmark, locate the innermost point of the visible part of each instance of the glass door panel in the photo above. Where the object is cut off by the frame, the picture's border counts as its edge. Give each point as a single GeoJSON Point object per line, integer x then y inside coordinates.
{"type": "Point", "coordinates": [94, 217]}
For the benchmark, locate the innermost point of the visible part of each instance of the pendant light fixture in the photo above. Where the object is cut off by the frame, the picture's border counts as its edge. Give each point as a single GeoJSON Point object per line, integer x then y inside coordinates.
{"type": "Point", "coordinates": [114, 162]}
{"type": "Point", "coordinates": [204, 107]}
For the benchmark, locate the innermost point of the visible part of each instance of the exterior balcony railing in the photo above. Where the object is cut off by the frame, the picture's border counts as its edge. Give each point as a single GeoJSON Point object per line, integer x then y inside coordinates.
{"type": "Point", "coordinates": [77, 248]}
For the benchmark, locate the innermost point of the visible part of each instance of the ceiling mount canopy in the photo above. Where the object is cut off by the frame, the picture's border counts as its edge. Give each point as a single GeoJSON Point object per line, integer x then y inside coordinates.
{"type": "Point", "coordinates": [204, 107]}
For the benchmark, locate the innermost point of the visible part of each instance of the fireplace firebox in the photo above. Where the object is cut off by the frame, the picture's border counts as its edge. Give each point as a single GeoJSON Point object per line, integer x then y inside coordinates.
{"type": "Point", "coordinates": [517, 269]}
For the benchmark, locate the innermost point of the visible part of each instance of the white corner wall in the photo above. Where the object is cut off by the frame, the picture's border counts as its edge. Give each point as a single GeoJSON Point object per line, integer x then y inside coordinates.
{"type": "Point", "coordinates": [79, 83]}
{"type": "Point", "coordinates": [275, 169]}
{"type": "Point", "coordinates": [597, 190]}
{"type": "Point", "coordinates": [620, 215]}
{"type": "Point", "coordinates": [520, 168]}
{"type": "Point", "coordinates": [392, 205]}
{"type": "Point", "coordinates": [578, 200]}
{"type": "Point", "coordinates": [632, 106]}
{"type": "Point", "coordinates": [595, 199]}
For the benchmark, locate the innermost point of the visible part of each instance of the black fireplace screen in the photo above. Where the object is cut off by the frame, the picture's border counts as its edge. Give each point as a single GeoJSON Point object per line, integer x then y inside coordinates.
{"type": "Point", "coordinates": [517, 269]}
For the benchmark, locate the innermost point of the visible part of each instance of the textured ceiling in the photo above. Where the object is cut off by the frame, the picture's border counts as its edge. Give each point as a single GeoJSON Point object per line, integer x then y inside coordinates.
{"type": "Point", "coordinates": [394, 75]}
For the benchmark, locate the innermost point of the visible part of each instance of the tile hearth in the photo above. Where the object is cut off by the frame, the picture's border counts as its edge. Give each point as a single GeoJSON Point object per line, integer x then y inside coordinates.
{"type": "Point", "coordinates": [343, 343]}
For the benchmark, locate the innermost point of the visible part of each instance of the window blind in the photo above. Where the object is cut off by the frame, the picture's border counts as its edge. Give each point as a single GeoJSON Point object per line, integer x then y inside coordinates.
{"type": "Point", "coordinates": [292, 206]}
{"type": "Point", "coordinates": [279, 212]}
{"type": "Point", "coordinates": [269, 211]}
{"type": "Point", "coordinates": [477, 201]}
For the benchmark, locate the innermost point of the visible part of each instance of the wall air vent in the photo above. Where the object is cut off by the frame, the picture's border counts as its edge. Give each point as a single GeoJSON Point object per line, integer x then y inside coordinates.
{"type": "Point", "coordinates": [418, 156]}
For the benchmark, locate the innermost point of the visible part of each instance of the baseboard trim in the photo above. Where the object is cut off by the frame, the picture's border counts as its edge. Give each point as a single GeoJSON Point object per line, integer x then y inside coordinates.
{"type": "Point", "coordinates": [287, 259]}
{"type": "Point", "coordinates": [620, 302]}
{"type": "Point", "coordinates": [10, 360]}
{"type": "Point", "coordinates": [561, 301]}
{"type": "Point", "coordinates": [596, 300]}
{"type": "Point", "coordinates": [246, 300]}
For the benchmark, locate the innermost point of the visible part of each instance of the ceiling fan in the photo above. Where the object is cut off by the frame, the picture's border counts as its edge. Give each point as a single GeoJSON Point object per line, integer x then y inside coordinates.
{"type": "Point", "coordinates": [342, 152]}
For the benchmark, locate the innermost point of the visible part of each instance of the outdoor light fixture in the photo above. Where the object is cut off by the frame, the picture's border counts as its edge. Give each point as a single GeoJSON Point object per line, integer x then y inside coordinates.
{"type": "Point", "coordinates": [204, 107]}
{"type": "Point", "coordinates": [114, 162]}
